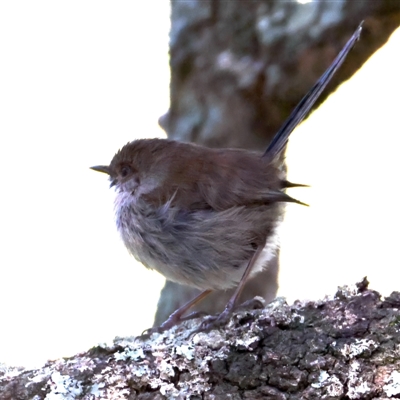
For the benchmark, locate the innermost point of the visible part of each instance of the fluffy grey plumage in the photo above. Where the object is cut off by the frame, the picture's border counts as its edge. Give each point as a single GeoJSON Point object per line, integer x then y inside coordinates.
{"type": "Point", "coordinates": [176, 221]}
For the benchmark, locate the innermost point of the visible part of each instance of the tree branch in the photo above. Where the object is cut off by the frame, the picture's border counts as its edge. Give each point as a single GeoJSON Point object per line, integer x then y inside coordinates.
{"type": "Point", "coordinates": [347, 346]}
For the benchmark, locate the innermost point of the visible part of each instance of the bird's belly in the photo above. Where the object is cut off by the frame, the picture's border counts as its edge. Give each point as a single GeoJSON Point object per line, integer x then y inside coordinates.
{"type": "Point", "coordinates": [205, 249]}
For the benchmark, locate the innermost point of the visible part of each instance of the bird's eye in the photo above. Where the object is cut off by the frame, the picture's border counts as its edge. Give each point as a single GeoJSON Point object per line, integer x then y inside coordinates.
{"type": "Point", "coordinates": [125, 170]}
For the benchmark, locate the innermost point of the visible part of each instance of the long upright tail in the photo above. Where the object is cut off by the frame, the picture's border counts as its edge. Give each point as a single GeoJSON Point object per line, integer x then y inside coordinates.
{"type": "Point", "coordinates": [279, 141]}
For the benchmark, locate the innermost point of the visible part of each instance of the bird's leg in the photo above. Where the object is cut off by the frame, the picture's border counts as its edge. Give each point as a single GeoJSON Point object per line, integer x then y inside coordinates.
{"type": "Point", "coordinates": [232, 303]}
{"type": "Point", "coordinates": [234, 299]}
{"type": "Point", "coordinates": [176, 317]}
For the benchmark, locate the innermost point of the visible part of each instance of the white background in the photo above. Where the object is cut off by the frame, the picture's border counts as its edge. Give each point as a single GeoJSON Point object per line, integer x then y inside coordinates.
{"type": "Point", "coordinates": [78, 80]}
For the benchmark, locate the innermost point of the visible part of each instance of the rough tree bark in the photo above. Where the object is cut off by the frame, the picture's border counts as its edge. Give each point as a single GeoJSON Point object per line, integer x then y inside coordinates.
{"type": "Point", "coordinates": [237, 70]}
{"type": "Point", "coordinates": [346, 347]}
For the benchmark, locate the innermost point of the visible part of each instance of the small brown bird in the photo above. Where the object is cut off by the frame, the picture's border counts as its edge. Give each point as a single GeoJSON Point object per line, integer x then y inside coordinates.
{"type": "Point", "coordinates": [206, 217]}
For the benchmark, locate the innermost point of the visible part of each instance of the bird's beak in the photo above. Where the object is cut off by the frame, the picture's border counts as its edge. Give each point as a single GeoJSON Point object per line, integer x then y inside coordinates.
{"type": "Point", "coordinates": [102, 168]}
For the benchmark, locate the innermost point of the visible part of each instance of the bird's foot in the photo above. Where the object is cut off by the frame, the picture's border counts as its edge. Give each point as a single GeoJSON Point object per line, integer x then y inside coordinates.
{"type": "Point", "coordinates": [172, 321]}
{"type": "Point", "coordinates": [216, 321]}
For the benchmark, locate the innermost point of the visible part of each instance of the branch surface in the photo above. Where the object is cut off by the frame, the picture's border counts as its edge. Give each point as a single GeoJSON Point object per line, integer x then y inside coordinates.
{"type": "Point", "coordinates": [347, 346]}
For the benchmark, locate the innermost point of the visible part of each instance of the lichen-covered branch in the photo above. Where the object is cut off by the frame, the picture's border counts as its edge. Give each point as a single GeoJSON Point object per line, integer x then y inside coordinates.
{"type": "Point", "coordinates": [347, 346]}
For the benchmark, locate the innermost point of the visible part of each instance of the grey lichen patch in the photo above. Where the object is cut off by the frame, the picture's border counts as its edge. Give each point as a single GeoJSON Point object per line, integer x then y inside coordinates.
{"type": "Point", "coordinates": [392, 386]}
{"type": "Point", "coordinates": [63, 387]}
{"type": "Point", "coordinates": [180, 361]}
{"type": "Point", "coordinates": [331, 384]}
{"type": "Point", "coordinates": [8, 372]}
{"type": "Point", "coordinates": [350, 291]}
{"type": "Point", "coordinates": [358, 347]}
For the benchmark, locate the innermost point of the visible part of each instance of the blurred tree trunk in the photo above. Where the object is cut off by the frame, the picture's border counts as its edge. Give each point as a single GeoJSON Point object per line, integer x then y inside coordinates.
{"type": "Point", "coordinates": [239, 67]}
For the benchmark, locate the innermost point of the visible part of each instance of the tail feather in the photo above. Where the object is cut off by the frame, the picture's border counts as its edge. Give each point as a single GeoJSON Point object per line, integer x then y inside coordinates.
{"type": "Point", "coordinates": [279, 141]}
{"type": "Point", "coordinates": [278, 196]}
{"type": "Point", "coordinates": [287, 184]}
